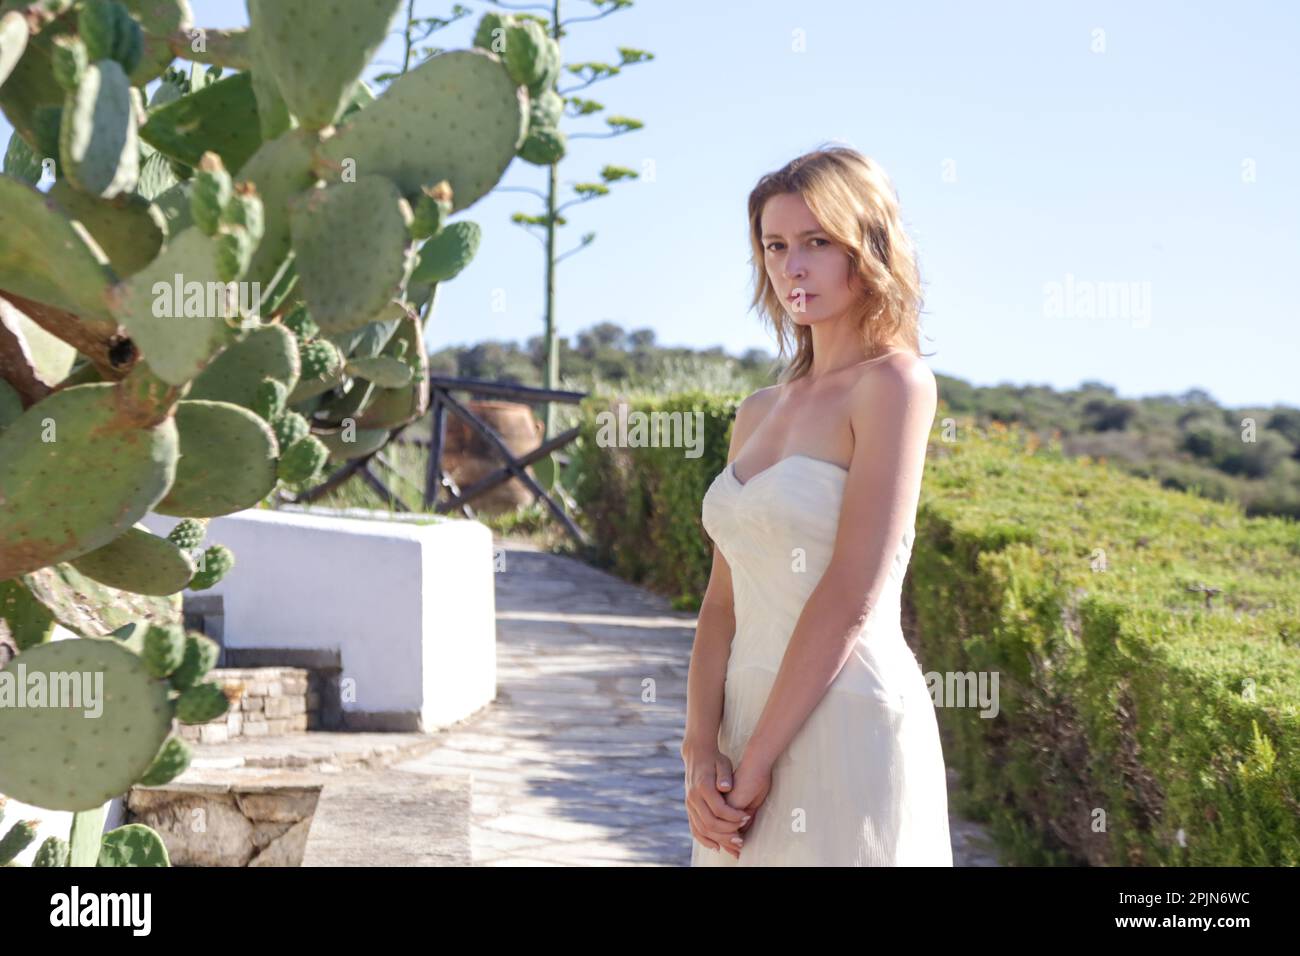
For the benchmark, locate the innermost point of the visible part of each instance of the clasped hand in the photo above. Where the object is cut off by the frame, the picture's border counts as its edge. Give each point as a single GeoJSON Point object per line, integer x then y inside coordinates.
{"type": "Point", "coordinates": [720, 804]}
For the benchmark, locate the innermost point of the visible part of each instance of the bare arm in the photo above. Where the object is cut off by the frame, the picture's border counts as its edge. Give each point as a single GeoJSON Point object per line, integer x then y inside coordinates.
{"type": "Point", "coordinates": [892, 411]}
{"type": "Point", "coordinates": [708, 770]}
{"type": "Point", "coordinates": [717, 619]}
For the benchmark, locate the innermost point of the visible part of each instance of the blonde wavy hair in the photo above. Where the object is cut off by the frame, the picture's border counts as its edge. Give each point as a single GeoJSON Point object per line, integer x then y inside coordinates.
{"type": "Point", "coordinates": [856, 205]}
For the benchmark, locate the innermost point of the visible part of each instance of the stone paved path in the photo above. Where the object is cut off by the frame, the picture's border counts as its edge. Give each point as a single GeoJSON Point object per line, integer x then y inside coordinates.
{"type": "Point", "coordinates": [577, 762]}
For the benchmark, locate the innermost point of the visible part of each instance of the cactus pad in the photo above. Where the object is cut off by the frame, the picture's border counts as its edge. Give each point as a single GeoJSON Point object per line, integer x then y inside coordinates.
{"type": "Point", "coordinates": [201, 703]}
{"type": "Point", "coordinates": [164, 648]}
{"type": "Point", "coordinates": [201, 655]}
{"type": "Point", "coordinates": [281, 168]}
{"type": "Point", "coordinates": [34, 235]}
{"type": "Point", "coordinates": [346, 282]}
{"type": "Point", "coordinates": [430, 210]}
{"type": "Point", "coordinates": [531, 57]}
{"type": "Point", "coordinates": [227, 460]}
{"type": "Point", "coordinates": [132, 845]}
{"type": "Point", "coordinates": [316, 49]}
{"type": "Point", "coordinates": [159, 19]}
{"type": "Point", "coordinates": [19, 837]}
{"type": "Point", "coordinates": [546, 109]}
{"type": "Point", "coordinates": [391, 407]}
{"type": "Point", "coordinates": [545, 145]}
{"type": "Point", "coordinates": [11, 406]}
{"type": "Point", "coordinates": [457, 116]}
{"type": "Point", "coordinates": [235, 376]}
{"type": "Point", "coordinates": [129, 229]}
{"type": "Point", "coordinates": [183, 328]}
{"type": "Point", "coordinates": [300, 324]}
{"type": "Point", "coordinates": [13, 40]}
{"type": "Point", "coordinates": [171, 762]}
{"type": "Point", "coordinates": [52, 513]}
{"type": "Point", "coordinates": [210, 189]}
{"type": "Point", "coordinates": [20, 162]}
{"type": "Point", "coordinates": [53, 852]}
{"type": "Point", "coordinates": [336, 409]}
{"type": "Point", "coordinates": [215, 118]}
{"type": "Point", "coordinates": [99, 149]}
{"type": "Point", "coordinates": [215, 565]}
{"type": "Point", "coordinates": [320, 360]}
{"type": "Point", "coordinates": [188, 533]}
{"type": "Point", "coordinates": [23, 618]}
{"type": "Point", "coordinates": [290, 427]}
{"type": "Point", "coordinates": [384, 370]}
{"type": "Point", "coordinates": [270, 400]}
{"type": "Point", "coordinates": [31, 87]}
{"type": "Point", "coordinates": [303, 460]}
{"type": "Point", "coordinates": [364, 441]}
{"type": "Point", "coordinates": [138, 561]}
{"type": "Point", "coordinates": [370, 339]}
{"type": "Point", "coordinates": [69, 61]}
{"type": "Point", "coordinates": [83, 761]}
{"type": "Point", "coordinates": [492, 30]}
{"type": "Point", "coordinates": [108, 31]}
{"type": "Point", "coordinates": [447, 253]}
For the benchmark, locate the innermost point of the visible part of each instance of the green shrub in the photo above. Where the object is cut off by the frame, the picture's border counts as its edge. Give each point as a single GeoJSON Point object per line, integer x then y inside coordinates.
{"type": "Point", "coordinates": [1140, 723]}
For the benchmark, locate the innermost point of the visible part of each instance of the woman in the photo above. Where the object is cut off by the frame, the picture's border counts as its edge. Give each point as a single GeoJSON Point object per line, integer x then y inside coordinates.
{"type": "Point", "coordinates": [811, 738]}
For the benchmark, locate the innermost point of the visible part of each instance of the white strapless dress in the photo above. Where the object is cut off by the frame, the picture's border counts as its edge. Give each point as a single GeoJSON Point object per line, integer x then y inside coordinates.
{"type": "Point", "coordinates": [863, 781]}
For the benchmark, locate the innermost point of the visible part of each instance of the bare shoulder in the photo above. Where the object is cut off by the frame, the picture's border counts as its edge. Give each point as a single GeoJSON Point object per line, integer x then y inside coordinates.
{"type": "Point", "coordinates": [752, 410]}
{"type": "Point", "coordinates": [901, 382]}
{"type": "Point", "coordinates": [902, 374]}
{"type": "Point", "coordinates": [754, 407]}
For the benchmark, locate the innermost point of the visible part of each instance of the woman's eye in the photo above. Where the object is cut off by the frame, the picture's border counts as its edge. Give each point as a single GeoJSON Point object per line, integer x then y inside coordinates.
{"type": "Point", "coordinates": [816, 239]}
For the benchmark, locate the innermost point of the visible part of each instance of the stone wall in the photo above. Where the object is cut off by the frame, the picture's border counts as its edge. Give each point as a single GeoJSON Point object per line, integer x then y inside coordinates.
{"type": "Point", "coordinates": [264, 701]}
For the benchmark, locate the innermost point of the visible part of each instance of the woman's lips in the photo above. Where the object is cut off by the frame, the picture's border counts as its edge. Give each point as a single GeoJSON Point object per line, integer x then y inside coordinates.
{"type": "Point", "coordinates": [807, 296]}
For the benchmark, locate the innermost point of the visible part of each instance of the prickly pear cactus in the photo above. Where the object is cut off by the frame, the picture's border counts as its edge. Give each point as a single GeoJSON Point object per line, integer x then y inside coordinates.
{"type": "Point", "coordinates": [201, 703]}
{"type": "Point", "coordinates": [82, 763]}
{"type": "Point", "coordinates": [132, 845]}
{"type": "Point", "coordinates": [188, 533]}
{"type": "Point", "coordinates": [216, 563]}
{"type": "Point", "coordinates": [196, 264]}
{"type": "Point", "coordinates": [169, 764]}
{"type": "Point", "coordinates": [200, 657]}
{"type": "Point", "coordinates": [16, 840]}
{"type": "Point", "coordinates": [164, 649]}
{"type": "Point", "coordinates": [53, 852]}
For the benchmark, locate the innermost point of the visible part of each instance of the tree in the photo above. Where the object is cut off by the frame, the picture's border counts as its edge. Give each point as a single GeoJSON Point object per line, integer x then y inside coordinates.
{"type": "Point", "coordinates": [548, 150]}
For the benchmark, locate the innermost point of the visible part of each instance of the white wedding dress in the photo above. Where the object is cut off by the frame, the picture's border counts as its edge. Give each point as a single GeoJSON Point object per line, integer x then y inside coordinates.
{"type": "Point", "coordinates": [862, 783]}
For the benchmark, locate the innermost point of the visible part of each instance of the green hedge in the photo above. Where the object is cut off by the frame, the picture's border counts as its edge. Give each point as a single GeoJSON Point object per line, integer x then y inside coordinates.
{"type": "Point", "coordinates": [1129, 710]}
{"type": "Point", "coordinates": [641, 505]}
{"type": "Point", "coordinates": [1136, 725]}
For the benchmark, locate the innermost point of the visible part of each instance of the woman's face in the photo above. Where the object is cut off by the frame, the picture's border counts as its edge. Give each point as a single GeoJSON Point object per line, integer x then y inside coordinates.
{"type": "Point", "coordinates": [809, 272]}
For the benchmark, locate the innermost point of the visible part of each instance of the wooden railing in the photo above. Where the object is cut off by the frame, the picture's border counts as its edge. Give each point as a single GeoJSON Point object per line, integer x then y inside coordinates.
{"type": "Point", "coordinates": [436, 481]}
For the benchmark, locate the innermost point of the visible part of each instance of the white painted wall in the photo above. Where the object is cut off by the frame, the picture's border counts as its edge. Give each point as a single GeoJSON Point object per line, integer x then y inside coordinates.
{"type": "Point", "coordinates": [410, 607]}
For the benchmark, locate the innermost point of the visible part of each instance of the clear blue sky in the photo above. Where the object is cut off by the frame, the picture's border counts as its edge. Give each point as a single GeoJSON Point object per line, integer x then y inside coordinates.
{"type": "Point", "coordinates": [1122, 166]}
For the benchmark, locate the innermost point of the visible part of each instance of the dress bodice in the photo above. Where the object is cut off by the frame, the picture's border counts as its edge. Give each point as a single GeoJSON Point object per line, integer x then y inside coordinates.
{"type": "Point", "coordinates": [777, 531]}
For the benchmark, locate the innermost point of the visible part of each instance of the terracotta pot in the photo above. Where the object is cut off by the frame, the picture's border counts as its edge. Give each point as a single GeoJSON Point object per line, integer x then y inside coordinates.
{"type": "Point", "coordinates": [467, 456]}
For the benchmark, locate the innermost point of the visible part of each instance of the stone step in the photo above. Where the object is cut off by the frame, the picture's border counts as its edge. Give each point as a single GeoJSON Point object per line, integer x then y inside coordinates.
{"type": "Point", "coordinates": [254, 801]}
{"type": "Point", "coordinates": [327, 751]}
{"type": "Point", "coordinates": [246, 817]}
